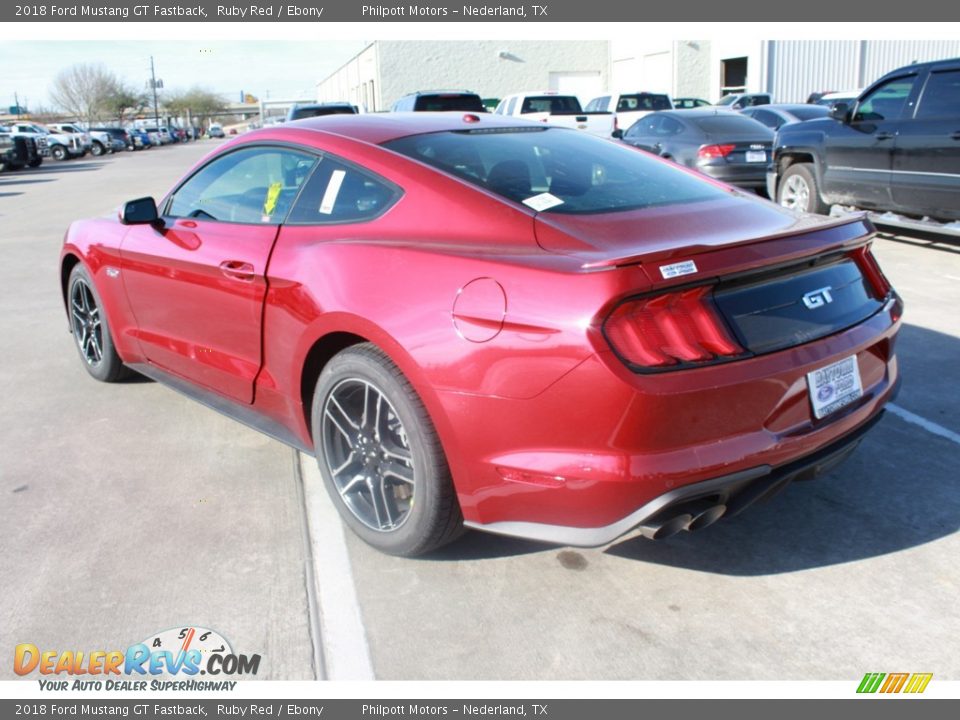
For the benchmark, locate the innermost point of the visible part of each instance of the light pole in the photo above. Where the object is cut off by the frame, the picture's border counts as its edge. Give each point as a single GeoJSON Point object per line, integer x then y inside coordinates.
{"type": "Point", "coordinates": [154, 83]}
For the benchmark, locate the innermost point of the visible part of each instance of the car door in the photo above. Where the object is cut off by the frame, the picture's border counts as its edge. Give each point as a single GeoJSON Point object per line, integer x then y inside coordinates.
{"type": "Point", "coordinates": [196, 283]}
{"type": "Point", "coordinates": [859, 152]}
{"type": "Point", "coordinates": [926, 157]}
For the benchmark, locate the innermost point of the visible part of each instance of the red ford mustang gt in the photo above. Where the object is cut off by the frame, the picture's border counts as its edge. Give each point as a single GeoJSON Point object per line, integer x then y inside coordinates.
{"type": "Point", "coordinates": [472, 321]}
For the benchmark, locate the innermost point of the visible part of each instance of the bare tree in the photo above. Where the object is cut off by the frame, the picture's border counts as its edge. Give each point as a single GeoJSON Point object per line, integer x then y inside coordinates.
{"type": "Point", "coordinates": [84, 90]}
{"type": "Point", "coordinates": [122, 100]}
{"type": "Point", "coordinates": [199, 103]}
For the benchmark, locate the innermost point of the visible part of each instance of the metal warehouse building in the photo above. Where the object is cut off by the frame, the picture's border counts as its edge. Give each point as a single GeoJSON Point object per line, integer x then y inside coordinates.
{"type": "Point", "coordinates": [788, 69]}
{"type": "Point", "coordinates": [386, 70]}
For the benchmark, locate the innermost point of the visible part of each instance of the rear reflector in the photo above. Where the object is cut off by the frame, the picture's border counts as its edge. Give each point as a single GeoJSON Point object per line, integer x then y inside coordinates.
{"type": "Point", "coordinates": [708, 152]}
{"type": "Point", "coordinates": [665, 330]}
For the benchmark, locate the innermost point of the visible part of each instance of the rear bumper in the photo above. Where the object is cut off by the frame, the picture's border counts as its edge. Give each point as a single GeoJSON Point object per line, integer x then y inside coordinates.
{"type": "Point", "coordinates": [741, 175]}
{"type": "Point", "coordinates": [603, 450]}
{"type": "Point", "coordinates": [696, 506]}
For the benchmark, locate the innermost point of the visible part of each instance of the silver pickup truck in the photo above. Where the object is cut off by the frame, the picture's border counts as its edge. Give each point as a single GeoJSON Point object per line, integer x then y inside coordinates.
{"type": "Point", "coordinates": [556, 109]}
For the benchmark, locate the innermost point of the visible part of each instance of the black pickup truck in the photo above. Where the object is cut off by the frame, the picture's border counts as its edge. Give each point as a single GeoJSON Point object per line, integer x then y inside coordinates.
{"type": "Point", "coordinates": [894, 150]}
{"type": "Point", "coordinates": [17, 151]}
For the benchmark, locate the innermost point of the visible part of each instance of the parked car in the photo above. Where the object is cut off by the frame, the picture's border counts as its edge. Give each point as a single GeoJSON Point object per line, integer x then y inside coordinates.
{"type": "Point", "coordinates": [440, 100]}
{"type": "Point", "coordinates": [738, 101]}
{"type": "Point", "coordinates": [139, 137]}
{"type": "Point", "coordinates": [777, 115]}
{"type": "Point", "coordinates": [215, 131]}
{"type": "Point", "coordinates": [17, 151]}
{"type": "Point", "coordinates": [583, 340]}
{"type": "Point", "coordinates": [895, 149]}
{"type": "Point", "coordinates": [299, 112]}
{"type": "Point", "coordinates": [630, 107]}
{"type": "Point", "coordinates": [59, 146]}
{"type": "Point", "coordinates": [557, 109]}
{"type": "Point", "coordinates": [114, 139]}
{"type": "Point", "coordinates": [75, 130]}
{"type": "Point", "coordinates": [725, 145]}
{"type": "Point", "coordinates": [690, 103]}
{"type": "Point", "coordinates": [832, 98]}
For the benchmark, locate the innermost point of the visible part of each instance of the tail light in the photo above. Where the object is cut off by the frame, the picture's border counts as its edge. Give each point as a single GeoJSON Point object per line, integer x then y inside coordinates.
{"type": "Point", "coordinates": [669, 330]}
{"type": "Point", "coordinates": [871, 269]}
{"type": "Point", "coordinates": [710, 152]}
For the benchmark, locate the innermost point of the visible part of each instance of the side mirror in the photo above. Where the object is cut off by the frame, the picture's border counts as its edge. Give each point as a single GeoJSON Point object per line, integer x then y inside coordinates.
{"type": "Point", "coordinates": [618, 134]}
{"type": "Point", "coordinates": [840, 111]}
{"type": "Point", "coordinates": [141, 211]}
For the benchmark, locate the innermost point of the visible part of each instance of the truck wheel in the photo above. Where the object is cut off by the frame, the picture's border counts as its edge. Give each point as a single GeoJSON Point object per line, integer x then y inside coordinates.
{"type": "Point", "coordinates": [36, 162]}
{"type": "Point", "coordinates": [97, 149]}
{"type": "Point", "coordinates": [798, 190]}
{"type": "Point", "coordinates": [59, 152]}
{"type": "Point", "coordinates": [380, 456]}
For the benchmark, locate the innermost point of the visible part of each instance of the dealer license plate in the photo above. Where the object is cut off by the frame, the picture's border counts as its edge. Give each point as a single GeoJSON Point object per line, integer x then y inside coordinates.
{"type": "Point", "coordinates": [756, 156]}
{"type": "Point", "coordinates": [834, 386]}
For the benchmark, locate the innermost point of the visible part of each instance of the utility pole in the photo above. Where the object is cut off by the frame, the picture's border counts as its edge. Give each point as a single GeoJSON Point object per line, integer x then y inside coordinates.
{"type": "Point", "coordinates": [154, 83]}
{"type": "Point", "coordinates": [16, 100]}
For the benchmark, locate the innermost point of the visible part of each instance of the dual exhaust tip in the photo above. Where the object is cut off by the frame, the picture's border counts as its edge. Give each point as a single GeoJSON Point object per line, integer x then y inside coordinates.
{"type": "Point", "coordinates": [694, 516]}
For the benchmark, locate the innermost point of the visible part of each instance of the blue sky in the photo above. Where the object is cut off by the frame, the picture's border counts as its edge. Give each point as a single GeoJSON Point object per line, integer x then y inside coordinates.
{"type": "Point", "coordinates": [284, 69]}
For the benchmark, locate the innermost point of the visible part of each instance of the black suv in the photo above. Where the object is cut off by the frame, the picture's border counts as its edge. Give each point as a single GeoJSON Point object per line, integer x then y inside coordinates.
{"type": "Point", "coordinates": [17, 151]}
{"type": "Point", "coordinates": [440, 101]}
{"type": "Point", "coordinates": [895, 148]}
{"type": "Point", "coordinates": [299, 112]}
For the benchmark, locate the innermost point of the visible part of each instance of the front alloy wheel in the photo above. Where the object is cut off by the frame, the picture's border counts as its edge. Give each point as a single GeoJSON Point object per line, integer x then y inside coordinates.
{"type": "Point", "coordinates": [90, 330]}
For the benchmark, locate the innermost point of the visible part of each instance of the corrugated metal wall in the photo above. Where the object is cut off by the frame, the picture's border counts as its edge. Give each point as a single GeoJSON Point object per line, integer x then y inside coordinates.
{"type": "Point", "coordinates": [798, 67]}
{"type": "Point", "coordinates": [882, 56]}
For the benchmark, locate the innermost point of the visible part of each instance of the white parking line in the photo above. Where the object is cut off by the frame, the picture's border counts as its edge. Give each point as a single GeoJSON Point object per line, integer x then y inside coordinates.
{"type": "Point", "coordinates": [929, 426]}
{"type": "Point", "coordinates": [346, 655]}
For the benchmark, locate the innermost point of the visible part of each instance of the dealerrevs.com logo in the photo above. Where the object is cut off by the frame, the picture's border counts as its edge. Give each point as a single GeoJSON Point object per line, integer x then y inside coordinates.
{"type": "Point", "coordinates": [168, 660]}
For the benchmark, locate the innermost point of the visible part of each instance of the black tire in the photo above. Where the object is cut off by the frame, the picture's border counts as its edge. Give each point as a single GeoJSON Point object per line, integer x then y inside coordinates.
{"type": "Point", "coordinates": [97, 149]}
{"type": "Point", "coordinates": [392, 448]}
{"type": "Point", "coordinates": [798, 190]}
{"type": "Point", "coordinates": [36, 162]}
{"type": "Point", "coordinates": [58, 152]}
{"type": "Point", "coordinates": [91, 333]}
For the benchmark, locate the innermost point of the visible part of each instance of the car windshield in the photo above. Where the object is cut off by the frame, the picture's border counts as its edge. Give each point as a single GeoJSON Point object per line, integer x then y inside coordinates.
{"type": "Point", "coordinates": [809, 112]}
{"type": "Point", "coordinates": [308, 112]}
{"type": "Point", "coordinates": [556, 170]}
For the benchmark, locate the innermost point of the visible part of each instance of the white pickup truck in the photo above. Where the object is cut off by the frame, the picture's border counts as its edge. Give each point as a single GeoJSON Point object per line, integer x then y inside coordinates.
{"type": "Point", "coordinates": [630, 107]}
{"type": "Point", "coordinates": [551, 107]}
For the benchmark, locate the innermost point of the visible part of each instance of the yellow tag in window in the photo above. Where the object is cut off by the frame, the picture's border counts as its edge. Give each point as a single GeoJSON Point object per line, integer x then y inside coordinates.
{"type": "Point", "coordinates": [270, 203]}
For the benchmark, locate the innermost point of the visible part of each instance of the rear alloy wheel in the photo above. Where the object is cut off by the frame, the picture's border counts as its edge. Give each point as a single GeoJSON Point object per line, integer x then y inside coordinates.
{"type": "Point", "coordinates": [97, 149]}
{"type": "Point", "coordinates": [380, 457]}
{"type": "Point", "coordinates": [90, 329]}
{"type": "Point", "coordinates": [59, 152]}
{"type": "Point", "coordinates": [798, 190]}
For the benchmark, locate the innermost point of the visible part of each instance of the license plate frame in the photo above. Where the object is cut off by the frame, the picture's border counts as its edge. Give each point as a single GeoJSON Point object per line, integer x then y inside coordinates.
{"type": "Point", "coordinates": [756, 156]}
{"type": "Point", "coordinates": [834, 386]}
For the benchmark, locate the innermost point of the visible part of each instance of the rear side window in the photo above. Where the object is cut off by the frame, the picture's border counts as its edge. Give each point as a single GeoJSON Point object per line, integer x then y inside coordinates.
{"type": "Point", "coordinates": [341, 193]}
{"type": "Point", "coordinates": [550, 104]}
{"type": "Point", "coordinates": [556, 170]}
{"type": "Point", "coordinates": [308, 112]}
{"type": "Point", "coordinates": [643, 101]}
{"type": "Point", "coordinates": [941, 96]}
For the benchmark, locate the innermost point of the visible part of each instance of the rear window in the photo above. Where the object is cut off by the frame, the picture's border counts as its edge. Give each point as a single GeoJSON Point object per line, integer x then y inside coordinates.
{"type": "Point", "coordinates": [556, 170]}
{"type": "Point", "coordinates": [300, 113]}
{"type": "Point", "coordinates": [722, 124]}
{"type": "Point", "coordinates": [450, 101]}
{"type": "Point", "coordinates": [550, 104]}
{"type": "Point", "coordinates": [643, 101]}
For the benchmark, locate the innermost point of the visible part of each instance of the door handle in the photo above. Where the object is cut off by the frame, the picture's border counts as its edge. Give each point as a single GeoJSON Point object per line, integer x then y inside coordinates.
{"type": "Point", "coordinates": [883, 135]}
{"type": "Point", "coordinates": [237, 270]}
{"type": "Point", "coordinates": [186, 223]}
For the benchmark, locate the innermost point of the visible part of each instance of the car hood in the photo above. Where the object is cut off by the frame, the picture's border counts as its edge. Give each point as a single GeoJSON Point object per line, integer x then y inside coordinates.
{"type": "Point", "coordinates": [671, 232]}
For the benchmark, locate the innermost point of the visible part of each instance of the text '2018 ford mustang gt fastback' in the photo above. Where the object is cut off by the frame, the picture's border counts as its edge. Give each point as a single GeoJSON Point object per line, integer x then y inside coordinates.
{"type": "Point", "coordinates": [475, 321]}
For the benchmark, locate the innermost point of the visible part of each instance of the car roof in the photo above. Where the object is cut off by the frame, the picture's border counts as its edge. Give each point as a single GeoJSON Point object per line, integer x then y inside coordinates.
{"type": "Point", "coordinates": [700, 112]}
{"type": "Point", "coordinates": [378, 128]}
{"type": "Point", "coordinates": [786, 107]}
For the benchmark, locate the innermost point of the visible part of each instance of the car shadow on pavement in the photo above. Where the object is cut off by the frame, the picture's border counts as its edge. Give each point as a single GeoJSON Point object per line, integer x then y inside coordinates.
{"type": "Point", "coordinates": [16, 181]}
{"type": "Point", "coordinates": [4, 194]}
{"type": "Point", "coordinates": [899, 489]}
{"type": "Point", "coordinates": [486, 546]}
